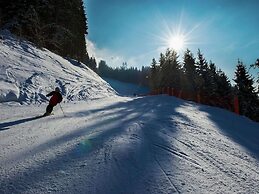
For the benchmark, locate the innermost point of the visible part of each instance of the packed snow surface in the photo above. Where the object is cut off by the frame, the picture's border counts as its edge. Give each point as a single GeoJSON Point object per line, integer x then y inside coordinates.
{"type": "Point", "coordinates": [155, 144]}
{"type": "Point", "coordinates": [28, 73]}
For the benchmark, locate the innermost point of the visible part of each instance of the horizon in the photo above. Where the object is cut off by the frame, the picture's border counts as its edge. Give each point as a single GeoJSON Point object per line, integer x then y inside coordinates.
{"type": "Point", "coordinates": [135, 32]}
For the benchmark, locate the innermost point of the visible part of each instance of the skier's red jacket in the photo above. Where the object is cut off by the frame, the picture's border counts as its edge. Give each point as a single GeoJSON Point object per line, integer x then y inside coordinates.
{"type": "Point", "coordinates": [56, 98]}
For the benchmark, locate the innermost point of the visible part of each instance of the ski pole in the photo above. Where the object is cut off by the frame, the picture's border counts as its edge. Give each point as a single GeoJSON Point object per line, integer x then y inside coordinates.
{"type": "Point", "coordinates": [62, 109]}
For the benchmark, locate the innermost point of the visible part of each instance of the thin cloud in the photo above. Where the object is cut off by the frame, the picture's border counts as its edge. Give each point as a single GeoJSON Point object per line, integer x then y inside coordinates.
{"type": "Point", "coordinates": [111, 58]}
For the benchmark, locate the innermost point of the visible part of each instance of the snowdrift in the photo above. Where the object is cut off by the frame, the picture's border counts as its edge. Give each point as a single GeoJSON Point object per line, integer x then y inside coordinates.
{"type": "Point", "coordinates": [28, 73]}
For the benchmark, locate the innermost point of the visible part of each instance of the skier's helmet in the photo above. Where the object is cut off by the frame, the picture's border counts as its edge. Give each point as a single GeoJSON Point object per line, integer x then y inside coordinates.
{"type": "Point", "coordinates": [57, 89]}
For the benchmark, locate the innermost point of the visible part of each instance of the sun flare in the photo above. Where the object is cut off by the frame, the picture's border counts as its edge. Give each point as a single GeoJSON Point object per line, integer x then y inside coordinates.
{"type": "Point", "coordinates": [177, 42]}
{"type": "Point", "coordinates": [174, 35]}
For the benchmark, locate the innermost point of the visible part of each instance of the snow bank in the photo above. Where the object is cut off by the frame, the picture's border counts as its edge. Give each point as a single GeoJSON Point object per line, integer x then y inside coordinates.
{"type": "Point", "coordinates": [28, 73]}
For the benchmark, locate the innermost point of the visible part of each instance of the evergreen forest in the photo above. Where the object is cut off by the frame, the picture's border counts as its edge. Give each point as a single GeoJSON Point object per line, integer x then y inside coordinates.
{"type": "Point", "coordinates": [58, 25]}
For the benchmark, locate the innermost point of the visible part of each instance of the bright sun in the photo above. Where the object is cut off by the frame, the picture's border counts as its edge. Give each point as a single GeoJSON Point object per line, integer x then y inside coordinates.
{"type": "Point", "coordinates": [177, 42]}
{"type": "Point", "coordinates": [175, 36]}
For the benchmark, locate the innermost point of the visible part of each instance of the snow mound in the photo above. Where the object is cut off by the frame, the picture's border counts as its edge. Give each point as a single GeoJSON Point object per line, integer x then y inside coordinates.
{"type": "Point", "coordinates": [28, 73]}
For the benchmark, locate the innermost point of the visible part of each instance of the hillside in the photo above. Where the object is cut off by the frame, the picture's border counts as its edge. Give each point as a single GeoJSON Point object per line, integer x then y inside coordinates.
{"type": "Point", "coordinates": [27, 74]}
{"type": "Point", "coordinates": [107, 144]}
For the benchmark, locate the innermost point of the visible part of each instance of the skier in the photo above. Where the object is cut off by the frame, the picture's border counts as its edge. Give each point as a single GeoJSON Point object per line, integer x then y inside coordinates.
{"type": "Point", "coordinates": [54, 100]}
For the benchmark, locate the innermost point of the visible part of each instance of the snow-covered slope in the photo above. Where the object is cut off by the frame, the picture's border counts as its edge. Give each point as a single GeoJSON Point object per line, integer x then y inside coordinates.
{"type": "Point", "coordinates": [28, 73]}
{"type": "Point", "coordinates": [127, 89]}
{"type": "Point", "coordinates": [156, 145]}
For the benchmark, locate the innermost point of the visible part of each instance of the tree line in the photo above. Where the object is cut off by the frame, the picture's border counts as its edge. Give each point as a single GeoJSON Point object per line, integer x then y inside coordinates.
{"type": "Point", "coordinates": [58, 25]}
{"type": "Point", "coordinates": [198, 75]}
{"type": "Point", "coordinates": [124, 73]}
{"type": "Point", "coordinates": [193, 75]}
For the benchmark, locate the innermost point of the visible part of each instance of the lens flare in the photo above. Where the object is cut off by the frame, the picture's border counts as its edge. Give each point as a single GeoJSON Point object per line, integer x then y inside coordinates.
{"type": "Point", "coordinates": [178, 34]}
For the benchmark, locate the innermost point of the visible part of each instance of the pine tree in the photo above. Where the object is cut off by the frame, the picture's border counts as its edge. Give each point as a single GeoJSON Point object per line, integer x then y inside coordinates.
{"type": "Point", "coordinates": [212, 80]}
{"type": "Point", "coordinates": [103, 69]}
{"type": "Point", "coordinates": [164, 71]}
{"type": "Point", "coordinates": [161, 64]}
{"type": "Point", "coordinates": [189, 69]}
{"type": "Point", "coordinates": [170, 70]}
{"type": "Point", "coordinates": [153, 76]}
{"type": "Point", "coordinates": [248, 100]}
{"type": "Point", "coordinates": [224, 90]}
{"type": "Point", "coordinates": [202, 70]}
{"type": "Point", "coordinates": [92, 64]}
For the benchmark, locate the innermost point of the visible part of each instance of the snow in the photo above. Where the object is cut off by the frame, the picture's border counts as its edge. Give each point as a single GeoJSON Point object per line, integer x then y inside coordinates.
{"type": "Point", "coordinates": [27, 74]}
{"type": "Point", "coordinates": [113, 144]}
{"type": "Point", "coordinates": [153, 144]}
{"type": "Point", "coordinates": [127, 89]}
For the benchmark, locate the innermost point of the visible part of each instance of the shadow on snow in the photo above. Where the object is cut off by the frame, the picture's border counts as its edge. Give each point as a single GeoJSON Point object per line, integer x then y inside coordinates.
{"type": "Point", "coordinates": [130, 164]}
{"type": "Point", "coordinates": [238, 128]}
{"type": "Point", "coordinates": [6, 125]}
{"type": "Point", "coordinates": [129, 168]}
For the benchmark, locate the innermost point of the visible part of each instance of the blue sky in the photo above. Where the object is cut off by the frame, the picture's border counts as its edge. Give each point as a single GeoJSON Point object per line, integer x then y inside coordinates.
{"type": "Point", "coordinates": [135, 31]}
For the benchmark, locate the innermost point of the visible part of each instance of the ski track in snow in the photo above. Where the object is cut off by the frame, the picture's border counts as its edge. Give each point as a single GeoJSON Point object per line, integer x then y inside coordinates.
{"type": "Point", "coordinates": [126, 145]}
